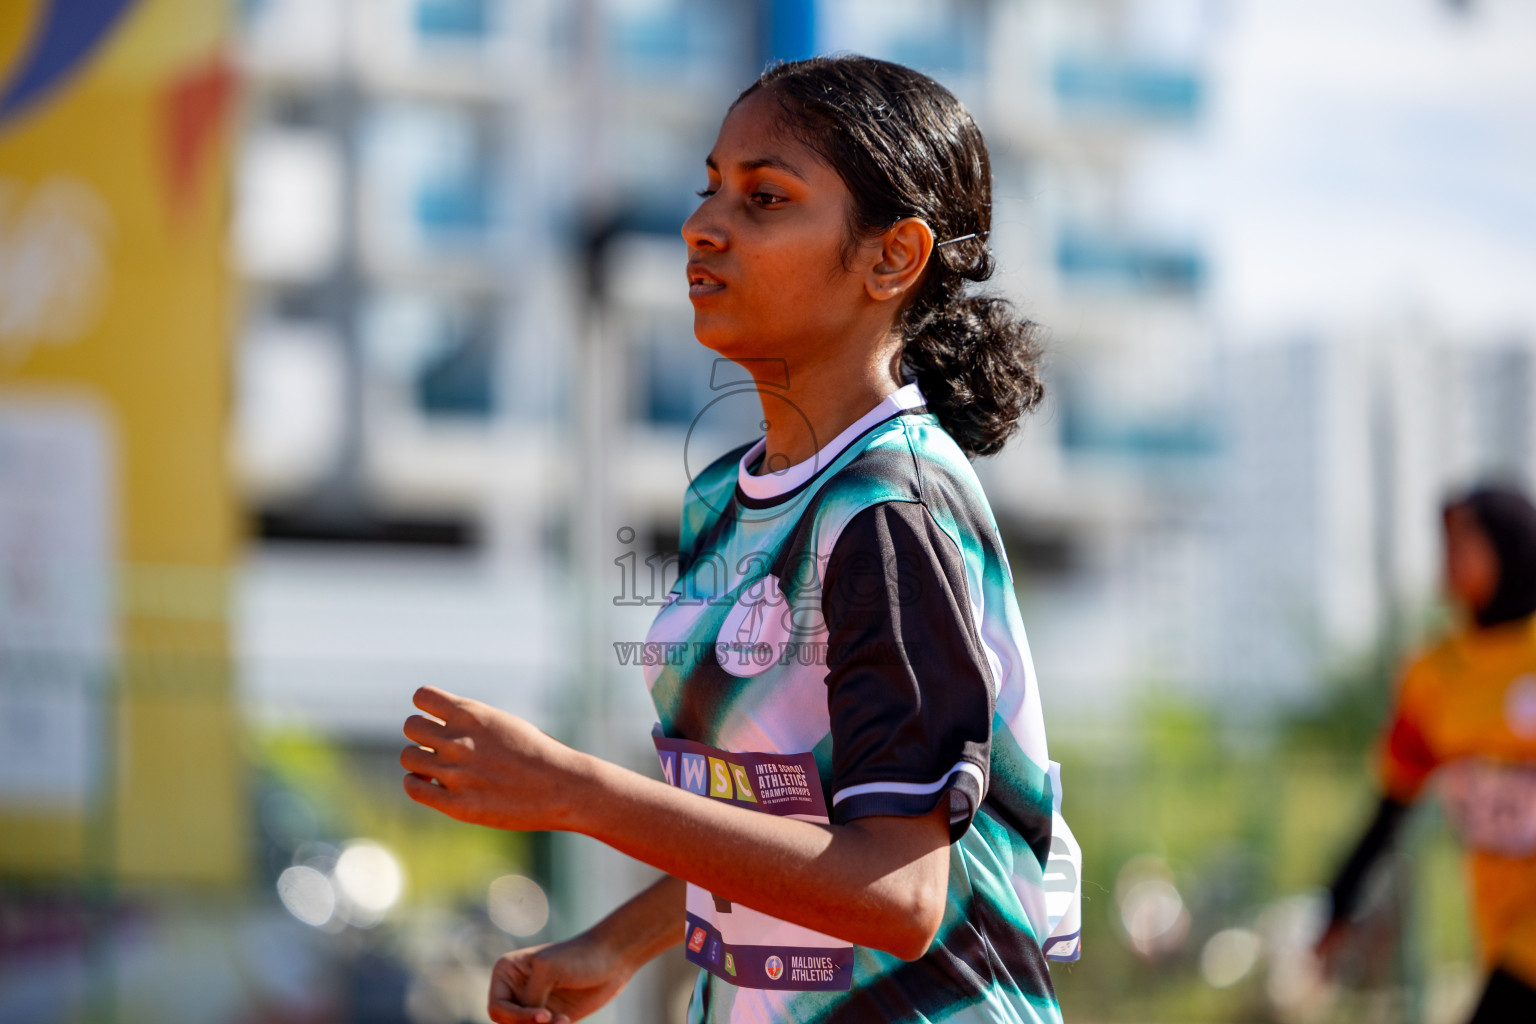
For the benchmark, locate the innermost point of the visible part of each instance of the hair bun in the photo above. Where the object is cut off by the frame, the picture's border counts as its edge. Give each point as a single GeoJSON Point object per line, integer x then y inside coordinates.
{"type": "Point", "coordinates": [977, 363]}
{"type": "Point", "coordinates": [967, 257]}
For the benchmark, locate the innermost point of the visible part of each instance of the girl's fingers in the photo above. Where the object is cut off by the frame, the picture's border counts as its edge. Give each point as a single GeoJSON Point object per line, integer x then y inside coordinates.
{"type": "Point", "coordinates": [540, 981]}
{"type": "Point", "coordinates": [426, 731]}
{"type": "Point", "coordinates": [510, 974]}
{"type": "Point", "coordinates": [437, 703]}
{"type": "Point", "coordinates": [504, 1012]}
{"type": "Point", "coordinates": [521, 984]}
{"type": "Point", "coordinates": [424, 791]}
{"type": "Point", "coordinates": [422, 762]}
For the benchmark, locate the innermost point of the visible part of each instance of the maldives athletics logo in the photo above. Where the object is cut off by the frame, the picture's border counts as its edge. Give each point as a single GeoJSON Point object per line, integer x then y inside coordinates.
{"type": "Point", "coordinates": [774, 968]}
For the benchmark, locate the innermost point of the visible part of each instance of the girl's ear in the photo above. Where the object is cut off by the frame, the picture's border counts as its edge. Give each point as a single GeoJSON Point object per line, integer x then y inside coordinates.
{"type": "Point", "coordinates": [905, 249]}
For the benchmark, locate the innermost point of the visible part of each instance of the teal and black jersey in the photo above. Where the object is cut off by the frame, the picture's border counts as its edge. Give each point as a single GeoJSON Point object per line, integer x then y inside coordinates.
{"type": "Point", "coordinates": [853, 618]}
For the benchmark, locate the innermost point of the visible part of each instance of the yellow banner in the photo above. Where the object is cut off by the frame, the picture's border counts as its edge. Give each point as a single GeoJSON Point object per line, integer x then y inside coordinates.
{"type": "Point", "coordinates": [115, 310]}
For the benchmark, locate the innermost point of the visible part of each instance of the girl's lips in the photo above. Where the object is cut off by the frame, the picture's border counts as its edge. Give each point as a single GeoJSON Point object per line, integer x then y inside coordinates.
{"type": "Point", "coordinates": [702, 283]}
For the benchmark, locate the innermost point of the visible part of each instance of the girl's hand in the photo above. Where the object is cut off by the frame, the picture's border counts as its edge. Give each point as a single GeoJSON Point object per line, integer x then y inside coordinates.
{"type": "Point", "coordinates": [490, 767]}
{"type": "Point", "coordinates": [556, 984]}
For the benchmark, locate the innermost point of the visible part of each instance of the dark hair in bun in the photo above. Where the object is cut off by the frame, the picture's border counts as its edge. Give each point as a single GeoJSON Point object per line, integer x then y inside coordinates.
{"type": "Point", "coordinates": [906, 147]}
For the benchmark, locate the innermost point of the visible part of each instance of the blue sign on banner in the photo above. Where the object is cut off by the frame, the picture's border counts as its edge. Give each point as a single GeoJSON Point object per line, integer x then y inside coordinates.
{"type": "Point", "coordinates": [67, 31]}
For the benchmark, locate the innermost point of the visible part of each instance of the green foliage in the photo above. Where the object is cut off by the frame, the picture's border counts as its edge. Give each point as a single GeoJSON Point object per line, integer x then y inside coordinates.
{"type": "Point", "coordinates": [1348, 716]}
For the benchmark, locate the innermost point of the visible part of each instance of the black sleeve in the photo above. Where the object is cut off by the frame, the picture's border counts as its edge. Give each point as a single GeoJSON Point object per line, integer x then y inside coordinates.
{"type": "Point", "coordinates": [1345, 890]}
{"type": "Point", "coordinates": [909, 689]}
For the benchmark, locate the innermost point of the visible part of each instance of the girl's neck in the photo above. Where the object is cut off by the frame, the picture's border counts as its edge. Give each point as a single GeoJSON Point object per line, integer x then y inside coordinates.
{"type": "Point", "coordinates": [825, 396]}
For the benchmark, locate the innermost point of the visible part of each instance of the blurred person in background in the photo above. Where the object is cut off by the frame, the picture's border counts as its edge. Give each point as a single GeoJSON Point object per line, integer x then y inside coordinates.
{"type": "Point", "coordinates": [1465, 715]}
{"type": "Point", "coordinates": [894, 736]}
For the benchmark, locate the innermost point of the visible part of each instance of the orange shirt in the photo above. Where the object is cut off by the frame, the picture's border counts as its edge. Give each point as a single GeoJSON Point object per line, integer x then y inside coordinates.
{"type": "Point", "coordinates": [1466, 719]}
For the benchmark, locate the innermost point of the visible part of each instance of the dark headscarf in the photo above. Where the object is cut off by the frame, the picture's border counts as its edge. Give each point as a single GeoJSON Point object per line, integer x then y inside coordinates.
{"type": "Point", "coordinates": [1509, 520]}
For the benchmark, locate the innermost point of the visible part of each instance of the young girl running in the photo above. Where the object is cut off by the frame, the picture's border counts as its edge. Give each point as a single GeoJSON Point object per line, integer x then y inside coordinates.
{"type": "Point", "coordinates": [856, 806]}
{"type": "Point", "coordinates": [1465, 719]}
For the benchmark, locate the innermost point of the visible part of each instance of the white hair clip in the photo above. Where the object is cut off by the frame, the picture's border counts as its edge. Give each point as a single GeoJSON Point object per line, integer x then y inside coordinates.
{"type": "Point", "coordinates": [952, 241]}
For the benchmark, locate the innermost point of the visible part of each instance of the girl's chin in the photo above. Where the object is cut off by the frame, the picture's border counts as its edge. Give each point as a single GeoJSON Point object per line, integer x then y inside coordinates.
{"type": "Point", "coordinates": [726, 342]}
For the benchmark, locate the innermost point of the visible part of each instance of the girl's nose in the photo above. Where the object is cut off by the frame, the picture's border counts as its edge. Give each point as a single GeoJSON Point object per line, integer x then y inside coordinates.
{"type": "Point", "coordinates": [703, 230]}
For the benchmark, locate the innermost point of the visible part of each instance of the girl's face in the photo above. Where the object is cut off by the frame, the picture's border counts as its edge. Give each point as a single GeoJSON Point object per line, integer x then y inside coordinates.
{"type": "Point", "coordinates": [766, 246]}
{"type": "Point", "coordinates": [1471, 563]}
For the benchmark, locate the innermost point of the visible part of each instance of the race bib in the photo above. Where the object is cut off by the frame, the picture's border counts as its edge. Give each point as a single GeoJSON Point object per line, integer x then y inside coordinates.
{"type": "Point", "coordinates": [737, 944]}
{"type": "Point", "coordinates": [1491, 805]}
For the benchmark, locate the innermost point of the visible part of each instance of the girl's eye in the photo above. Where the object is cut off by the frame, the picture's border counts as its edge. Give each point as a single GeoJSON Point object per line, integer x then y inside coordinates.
{"type": "Point", "coordinates": [765, 199]}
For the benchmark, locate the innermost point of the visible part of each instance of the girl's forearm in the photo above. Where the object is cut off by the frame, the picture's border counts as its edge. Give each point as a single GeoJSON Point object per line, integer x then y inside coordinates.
{"type": "Point", "coordinates": [875, 882]}
{"type": "Point", "coordinates": [646, 926]}
{"type": "Point", "coordinates": [878, 881]}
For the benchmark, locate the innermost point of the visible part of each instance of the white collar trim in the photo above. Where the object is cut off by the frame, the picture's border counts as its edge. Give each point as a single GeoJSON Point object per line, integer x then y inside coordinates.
{"type": "Point", "coordinates": [772, 485]}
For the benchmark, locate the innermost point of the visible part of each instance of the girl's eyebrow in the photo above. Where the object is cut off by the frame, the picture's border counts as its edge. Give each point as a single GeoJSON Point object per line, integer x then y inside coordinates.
{"type": "Point", "coordinates": [757, 163]}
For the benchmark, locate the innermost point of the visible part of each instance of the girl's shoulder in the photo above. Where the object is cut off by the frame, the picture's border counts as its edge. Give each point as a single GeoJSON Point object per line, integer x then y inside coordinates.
{"type": "Point", "coordinates": [909, 458]}
{"type": "Point", "coordinates": [915, 459]}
